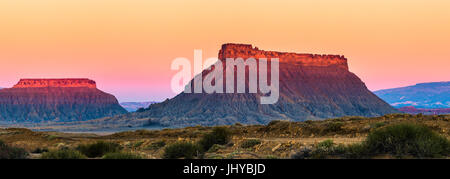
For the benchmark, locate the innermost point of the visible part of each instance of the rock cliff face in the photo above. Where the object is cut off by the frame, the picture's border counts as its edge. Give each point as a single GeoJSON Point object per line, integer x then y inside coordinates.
{"type": "Point", "coordinates": [311, 87]}
{"type": "Point", "coordinates": [246, 51]}
{"type": "Point", "coordinates": [39, 100]}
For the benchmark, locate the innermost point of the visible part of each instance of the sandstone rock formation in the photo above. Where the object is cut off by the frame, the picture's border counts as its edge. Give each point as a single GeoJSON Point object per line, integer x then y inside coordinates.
{"type": "Point", "coordinates": [39, 83]}
{"type": "Point", "coordinates": [311, 87]}
{"type": "Point", "coordinates": [246, 51]}
{"type": "Point", "coordinates": [38, 100]}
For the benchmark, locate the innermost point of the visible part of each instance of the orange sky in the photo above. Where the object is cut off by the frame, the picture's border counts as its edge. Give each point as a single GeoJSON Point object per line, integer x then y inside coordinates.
{"type": "Point", "coordinates": [127, 46]}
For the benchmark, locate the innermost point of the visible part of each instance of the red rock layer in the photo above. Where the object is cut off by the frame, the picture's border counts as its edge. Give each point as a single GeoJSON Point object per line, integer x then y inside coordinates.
{"type": "Point", "coordinates": [40, 83]}
{"type": "Point", "coordinates": [247, 51]}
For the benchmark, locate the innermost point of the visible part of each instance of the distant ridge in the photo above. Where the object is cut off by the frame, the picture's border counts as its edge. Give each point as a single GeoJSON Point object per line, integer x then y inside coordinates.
{"type": "Point", "coordinates": [134, 106]}
{"type": "Point", "coordinates": [421, 95]}
{"type": "Point", "coordinates": [413, 110]}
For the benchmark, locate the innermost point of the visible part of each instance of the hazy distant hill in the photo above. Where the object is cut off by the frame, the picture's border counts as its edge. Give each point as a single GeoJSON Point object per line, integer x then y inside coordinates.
{"type": "Point", "coordinates": [413, 110]}
{"type": "Point", "coordinates": [134, 106]}
{"type": "Point", "coordinates": [422, 95]}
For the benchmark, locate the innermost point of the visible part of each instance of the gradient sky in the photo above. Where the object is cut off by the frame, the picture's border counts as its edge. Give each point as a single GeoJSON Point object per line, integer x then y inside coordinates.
{"type": "Point", "coordinates": [127, 46]}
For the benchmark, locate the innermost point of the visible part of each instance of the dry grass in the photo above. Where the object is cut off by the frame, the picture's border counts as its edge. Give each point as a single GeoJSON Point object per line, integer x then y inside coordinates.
{"type": "Point", "coordinates": [279, 139]}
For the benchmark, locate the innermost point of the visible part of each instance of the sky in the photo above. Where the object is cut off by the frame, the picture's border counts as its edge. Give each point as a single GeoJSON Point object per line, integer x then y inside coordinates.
{"type": "Point", "coordinates": [127, 46]}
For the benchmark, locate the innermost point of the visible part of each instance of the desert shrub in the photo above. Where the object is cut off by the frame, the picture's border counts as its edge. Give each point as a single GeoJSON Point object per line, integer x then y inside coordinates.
{"type": "Point", "coordinates": [138, 144]}
{"type": "Point", "coordinates": [185, 150]}
{"type": "Point", "coordinates": [377, 125]}
{"type": "Point", "coordinates": [353, 151]}
{"type": "Point", "coordinates": [156, 145]}
{"type": "Point", "coordinates": [398, 140]}
{"type": "Point", "coordinates": [219, 135]}
{"type": "Point", "coordinates": [8, 152]}
{"type": "Point", "coordinates": [215, 148]}
{"type": "Point", "coordinates": [325, 144]}
{"type": "Point", "coordinates": [407, 139]}
{"type": "Point", "coordinates": [63, 154]}
{"type": "Point", "coordinates": [343, 151]}
{"type": "Point", "coordinates": [98, 149]}
{"type": "Point", "coordinates": [324, 149]}
{"type": "Point", "coordinates": [250, 143]}
{"type": "Point", "coordinates": [328, 149]}
{"type": "Point", "coordinates": [334, 127]}
{"type": "Point", "coordinates": [121, 155]}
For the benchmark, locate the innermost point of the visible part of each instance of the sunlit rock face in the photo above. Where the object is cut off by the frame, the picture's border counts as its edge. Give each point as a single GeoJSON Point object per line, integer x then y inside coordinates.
{"type": "Point", "coordinates": [310, 87]}
{"type": "Point", "coordinates": [39, 100]}
{"type": "Point", "coordinates": [63, 83]}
